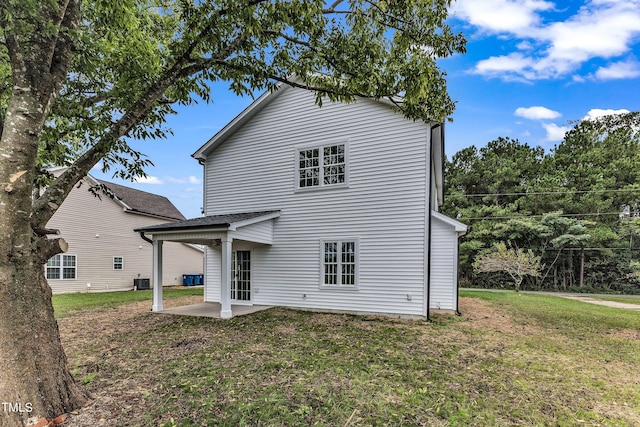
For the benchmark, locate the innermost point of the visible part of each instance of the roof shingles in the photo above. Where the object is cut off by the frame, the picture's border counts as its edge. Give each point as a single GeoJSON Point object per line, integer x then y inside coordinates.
{"type": "Point", "coordinates": [143, 202]}
{"type": "Point", "coordinates": [212, 221]}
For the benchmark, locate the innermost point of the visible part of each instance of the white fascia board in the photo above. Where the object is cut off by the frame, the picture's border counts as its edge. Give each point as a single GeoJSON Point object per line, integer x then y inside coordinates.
{"type": "Point", "coordinates": [235, 225]}
{"type": "Point", "coordinates": [458, 227]}
{"type": "Point", "coordinates": [254, 108]}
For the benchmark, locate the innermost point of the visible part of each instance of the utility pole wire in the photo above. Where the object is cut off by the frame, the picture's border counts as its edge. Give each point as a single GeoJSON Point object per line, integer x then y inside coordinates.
{"type": "Point", "coordinates": [539, 216]}
{"type": "Point", "coordinates": [537, 193]}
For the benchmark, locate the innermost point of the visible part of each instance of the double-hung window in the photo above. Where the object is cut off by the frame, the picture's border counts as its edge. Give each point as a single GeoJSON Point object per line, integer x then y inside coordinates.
{"type": "Point", "coordinates": [321, 166]}
{"type": "Point", "coordinates": [118, 263]}
{"type": "Point", "coordinates": [339, 263]}
{"type": "Point", "coordinates": [61, 267]}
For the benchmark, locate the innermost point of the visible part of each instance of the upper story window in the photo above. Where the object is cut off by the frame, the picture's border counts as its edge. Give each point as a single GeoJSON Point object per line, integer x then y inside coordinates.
{"type": "Point", "coordinates": [321, 166]}
{"type": "Point", "coordinates": [61, 266]}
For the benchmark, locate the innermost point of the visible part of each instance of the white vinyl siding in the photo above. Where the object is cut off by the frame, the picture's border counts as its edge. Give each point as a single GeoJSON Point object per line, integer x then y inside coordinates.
{"type": "Point", "coordinates": [444, 265]}
{"type": "Point", "coordinates": [384, 203]}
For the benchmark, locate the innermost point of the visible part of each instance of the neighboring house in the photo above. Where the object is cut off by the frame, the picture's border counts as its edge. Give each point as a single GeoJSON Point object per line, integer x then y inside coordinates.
{"type": "Point", "coordinates": [105, 254]}
{"type": "Point", "coordinates": [331, 208]}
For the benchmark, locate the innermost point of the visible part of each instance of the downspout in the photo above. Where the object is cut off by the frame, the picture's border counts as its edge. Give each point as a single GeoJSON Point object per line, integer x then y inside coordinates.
{"type": "Point", "coordinates": [430, 195]}
{"type": "Point", "coordinates": [204, 187]}
{"type": "Point", "coordinates": [458, 313]}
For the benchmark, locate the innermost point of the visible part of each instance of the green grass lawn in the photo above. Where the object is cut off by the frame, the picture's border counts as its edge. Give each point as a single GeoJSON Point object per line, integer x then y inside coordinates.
{"type": "Point", "coordinates": [68, 304]}
{"type": "Point", "coordinates": [509, 360]}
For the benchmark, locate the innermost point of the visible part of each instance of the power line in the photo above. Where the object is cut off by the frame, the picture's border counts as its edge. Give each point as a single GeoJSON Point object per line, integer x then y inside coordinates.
{"type": "Point", "coordinates": [539, 193]}
{"type": "Point", "coordinates": [540, 216]}
{"type": "Point", "coordinates": [593, 249]}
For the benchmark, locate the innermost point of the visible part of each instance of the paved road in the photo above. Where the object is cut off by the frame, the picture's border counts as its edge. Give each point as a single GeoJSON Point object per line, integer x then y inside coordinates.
{"type": "Point", "coordinates": [614, 304]}
{"type": "Point", "coordinates": [589, 298]}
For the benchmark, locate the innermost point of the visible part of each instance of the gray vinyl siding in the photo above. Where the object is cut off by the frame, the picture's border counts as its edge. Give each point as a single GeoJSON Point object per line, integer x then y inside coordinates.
{"type": "Point", "coordinates": [383, 206]}
{"type": "Point", "coordinates": [97, 230]}
{"type": "Point", "coordinates": [444, 264]}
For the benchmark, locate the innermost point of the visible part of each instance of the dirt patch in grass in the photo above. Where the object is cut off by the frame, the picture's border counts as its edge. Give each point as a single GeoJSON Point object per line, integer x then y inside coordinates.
{"type": "Point", "coordinates": [94, 344]}
{"type": "Point", "coordinates": [627, 334]}
{"type": "Point", "coordinates": [285, 367]}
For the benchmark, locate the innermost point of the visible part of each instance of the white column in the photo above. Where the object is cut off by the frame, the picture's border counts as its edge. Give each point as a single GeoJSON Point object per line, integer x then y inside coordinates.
{"type": "Point", "coordinates": [225, 282]}
{"type": "Point", "coordinates": [157, 276]}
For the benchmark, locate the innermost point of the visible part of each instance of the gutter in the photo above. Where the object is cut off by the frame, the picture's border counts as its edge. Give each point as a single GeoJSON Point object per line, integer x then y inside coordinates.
{"type": "Point", "coordinates": [145, 238]}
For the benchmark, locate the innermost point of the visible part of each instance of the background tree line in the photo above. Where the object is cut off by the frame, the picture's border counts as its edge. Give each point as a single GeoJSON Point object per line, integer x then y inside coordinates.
{"type": "Point", "coordinates": [576, 207]}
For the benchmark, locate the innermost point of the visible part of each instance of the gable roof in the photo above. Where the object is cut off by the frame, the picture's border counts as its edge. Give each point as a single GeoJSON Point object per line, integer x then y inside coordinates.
{"type": "Point", "coordinates": [132, 200]}
{"type": "Point", "coordinates": [142, 202]}
{"type": "Point", "coordinates": [247, 114]}
{"type": "Point", "coordinates": [226, 222]}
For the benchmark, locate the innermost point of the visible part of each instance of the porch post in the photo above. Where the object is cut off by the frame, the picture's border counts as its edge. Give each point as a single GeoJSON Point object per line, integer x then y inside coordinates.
{"type": "Point", "coordinates": [157, 276]}
{"type": "Point", "coordinates": [225, 282]}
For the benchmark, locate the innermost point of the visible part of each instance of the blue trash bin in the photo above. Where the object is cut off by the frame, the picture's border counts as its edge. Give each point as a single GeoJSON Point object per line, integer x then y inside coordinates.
{"type": "Point", "coordinates": [187, 280]}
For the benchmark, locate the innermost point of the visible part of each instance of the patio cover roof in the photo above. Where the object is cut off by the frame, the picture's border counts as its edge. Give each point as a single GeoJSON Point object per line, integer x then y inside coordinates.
{"type": "Point", "coordinates": [212, 222]}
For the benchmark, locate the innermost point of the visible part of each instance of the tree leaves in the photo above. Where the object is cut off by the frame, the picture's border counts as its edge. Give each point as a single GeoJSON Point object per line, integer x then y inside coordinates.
{"type": "Point", "coordinates": [582, 194]}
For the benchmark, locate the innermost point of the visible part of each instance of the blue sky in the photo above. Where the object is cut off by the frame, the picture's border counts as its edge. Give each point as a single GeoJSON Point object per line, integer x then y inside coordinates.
{"type": "Point", "coordinates": [531, 68]}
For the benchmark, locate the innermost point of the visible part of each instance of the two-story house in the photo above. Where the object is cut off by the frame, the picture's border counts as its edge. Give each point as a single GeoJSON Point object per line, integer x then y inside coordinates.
{"type": "Point", "coordinates": [327, 208]}
{"type": "Point", "coordinates": [104, 253]}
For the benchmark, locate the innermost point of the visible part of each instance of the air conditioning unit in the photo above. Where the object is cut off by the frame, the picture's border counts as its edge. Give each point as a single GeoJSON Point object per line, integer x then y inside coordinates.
{"type": "Point", "coordinates": [141, 284]}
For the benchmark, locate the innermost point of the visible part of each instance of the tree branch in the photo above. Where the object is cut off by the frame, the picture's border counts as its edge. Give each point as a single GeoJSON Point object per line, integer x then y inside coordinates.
{"type": "Point", "coordinates": [49, 202]}
{"type": "Point", "coordinates": [46, 248]}
{"type": "Point", "coordinates": [332, 8]}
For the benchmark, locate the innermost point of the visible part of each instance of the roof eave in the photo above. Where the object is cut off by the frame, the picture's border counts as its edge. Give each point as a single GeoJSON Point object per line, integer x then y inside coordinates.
{"type": "Point", "coordinates": [238, 224]}
{"type": "Point", "coordinates": [458, 227]}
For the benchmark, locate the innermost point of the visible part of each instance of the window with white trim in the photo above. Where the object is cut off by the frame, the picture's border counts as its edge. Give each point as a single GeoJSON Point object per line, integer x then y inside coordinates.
{"type": "Point", "coordinates": [321, 166]}
{"type": "Point", "coordinates": [339, 263]}
{"type": "Point", "coordinates": [62, 267]}
{"type": "Point", "coordinates": [118, 263]}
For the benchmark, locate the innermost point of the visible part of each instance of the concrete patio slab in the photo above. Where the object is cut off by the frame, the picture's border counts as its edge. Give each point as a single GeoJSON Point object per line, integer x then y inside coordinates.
{"type": "Point", "coordinates": [212, 309]}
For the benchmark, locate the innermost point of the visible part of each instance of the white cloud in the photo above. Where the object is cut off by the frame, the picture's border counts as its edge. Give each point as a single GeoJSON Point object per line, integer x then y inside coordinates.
{"type": "Point", "coordinates": [555, 132]}
{"type": "Point", "coordinates": [148, 180]}
{"type": "Point", "coordinates": [537, 113]}
{"type": "Point", "coordinates": [599, 29]}
{"type": "Point", "coordinates": [513, 66]}
{"type": "Point", "coordinates": [619, 70]}
{"type": "Point", "coordinates": [499, 16]}
{"type": "Point", "coordinates": [594, 113]}
{"type": "Point", "coordinates": [188, 180]}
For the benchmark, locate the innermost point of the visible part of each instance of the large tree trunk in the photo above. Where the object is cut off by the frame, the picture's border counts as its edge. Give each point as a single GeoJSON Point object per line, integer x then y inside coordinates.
{"type": "Point", "coordinates": [35, 381]}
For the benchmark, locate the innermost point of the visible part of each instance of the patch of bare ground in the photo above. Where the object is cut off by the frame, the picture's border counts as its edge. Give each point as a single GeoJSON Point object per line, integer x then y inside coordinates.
{"type": "Point", "coordinates": [627, 334]}
{"type": "Point", "coordinates": [97, 360]}
{"type": "Point", "coordinates": [482, 315]}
